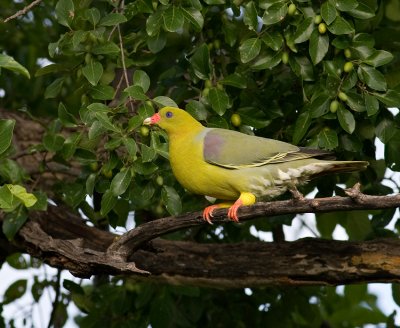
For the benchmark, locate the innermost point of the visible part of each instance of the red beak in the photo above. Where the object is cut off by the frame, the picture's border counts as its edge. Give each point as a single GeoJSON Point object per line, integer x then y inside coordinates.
{"type": "Point", "coordinates": [152, 120]}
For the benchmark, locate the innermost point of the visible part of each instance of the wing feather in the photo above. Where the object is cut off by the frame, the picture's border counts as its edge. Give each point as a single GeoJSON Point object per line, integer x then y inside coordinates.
{"type": "Point", "coordinates": [234, 150]}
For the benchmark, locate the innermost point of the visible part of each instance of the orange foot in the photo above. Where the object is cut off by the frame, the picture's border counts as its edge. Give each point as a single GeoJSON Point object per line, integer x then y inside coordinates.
{"type": "Point", "coordinates": [232, 212]}
{"type": "Point", "coordinates": [207, 213]}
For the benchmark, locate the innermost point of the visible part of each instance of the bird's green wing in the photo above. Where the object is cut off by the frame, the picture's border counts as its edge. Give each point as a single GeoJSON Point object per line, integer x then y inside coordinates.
{"type": "Point", "coordinates": [235, 150]}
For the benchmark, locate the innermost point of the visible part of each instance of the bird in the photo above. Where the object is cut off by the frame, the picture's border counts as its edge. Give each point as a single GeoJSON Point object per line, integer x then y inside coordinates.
{"type": "Point", "coordinates": [238, 168]}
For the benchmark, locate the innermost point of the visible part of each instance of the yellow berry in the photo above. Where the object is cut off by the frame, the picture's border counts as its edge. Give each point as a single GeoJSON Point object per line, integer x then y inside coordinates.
{"type": "Point", "coordinates": [236, 120]}
{"type": "Point", "coordinates": [208, 84]}
{"type": "Point", "coordinates": [342, 96]}
{"type": "Point", "coordinates": [160, 180]}
{"type": "Point", "coordinates": [292, 9]}
{"type": "Point", "coordinates": [106, 172]}
{"type": "Point", "coordinates": [285, 57]}
{"type": "Point", "coordinates": [144, 131]}
{"type": "Point", "coordinates": [94, 166]}
{"type": "Point", "coordinates": [347, 53]}
{"type": "Point", "coordinates": [322, 28]}
{"type": "Point", "coordinates": [348, 67]}
{"type": "Point", "coordinates": [334, 106]}
{"type": "Point", "coordinates": [317, 19]}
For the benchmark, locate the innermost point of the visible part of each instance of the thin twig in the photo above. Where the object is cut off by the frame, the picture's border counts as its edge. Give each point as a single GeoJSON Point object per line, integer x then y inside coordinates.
{"type": "Point", "coordinates": [23, 11]}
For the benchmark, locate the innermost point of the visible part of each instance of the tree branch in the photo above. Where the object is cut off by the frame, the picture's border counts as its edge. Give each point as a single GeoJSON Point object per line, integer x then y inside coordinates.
{"type": "Point", "coordinates": [134, 238]}
{"type": "Point", "coordinates": [23, 11]}
{"type": "Point", "coordinates": [63, 240]}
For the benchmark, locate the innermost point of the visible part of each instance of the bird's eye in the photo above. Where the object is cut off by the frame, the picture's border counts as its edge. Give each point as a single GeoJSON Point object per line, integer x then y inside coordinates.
{"type": "Point", "coordinates": [168, 114]}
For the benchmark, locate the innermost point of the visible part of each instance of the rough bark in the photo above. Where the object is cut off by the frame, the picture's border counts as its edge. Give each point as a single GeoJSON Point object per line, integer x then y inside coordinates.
{"type": "Point", "coordinates": [63, 240]}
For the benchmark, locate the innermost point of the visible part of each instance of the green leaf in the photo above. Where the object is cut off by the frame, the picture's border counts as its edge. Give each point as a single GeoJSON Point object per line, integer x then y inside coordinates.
{"type": "Point", "coordinates": [162, 101]}
{"type": "Point", "coordinates": [28, 199]}
{"type": "Point", "coordinates": [90, 183]}
{"type": "Point", "coordinates": [13, 221]}
{"type": "Point", "coordinates": [171, 200]}
{"type": "Point", "coordinates": [16, 290]}
{"type": "Point", "coordinates": [302, 67]}
{"type": "Point", "coordinates": [157, 42]}
{"type": "Point", "coordinates": [93, 72]}
{"type": "Point", "coordinates": [371, 104]}
{"type": "Point", "coordinates": [303, 122]}
{"type": "Point", "coordinates": [11, 171]}
{"type": "Point", "coordinates": [366, 9]}
{"type": "Point", "coordinates": [328, 12]}
{"type": "Point", "coordinates": [197, 110]}
{"type": "Point", "coordinates": [148, 154]}
{"type": "Point", "coordinates": [346, 120]}
{"type": "Point", "coordinates": [392, 153]}
{"type": "Point", "coordinates": [319, 106]}
{"type": "Point", "coordinates": [346, 5]}
{"type": "Point", "coordinates": [396, 293]}
{"type": "Point", "coordinates": [304, 30]}
{"type": "Point", "coordinates": [96, 130]}
{"type": "Point", "coordinates": [319, 45]}
{"type": "Point", "coordinates": [328, 139]}
{"type": "Point", "coordinates": [54, 88]}
{"type": "Point", "coordinates": [355, 102]}
{"type": "Point", "coordinates": [269, 59]}
{"type": "Point", "coordinates": [65, 117]}
{"type": "Point", "coordinates": [142, 79]}
{"type": "Point", "coordinates": [154, 23]}
{"type": "Point", "coordinates": [219, 100]}
{"type": "Point", "coordinates": [105, 121]}
{"type": "Point", "coordinates": [234, 80]}
{"type": "Point", "coordinates": [106, 48]}
{"type": "Point", "coordinates": [92, 15]}
{"type": "Point", "coordinates": [11, 64]}
{"type": "Point", "coordinates": [200, 62]}
{"type": "Point", "coordinates": [108, 201]}
{"type": "Point", "coordinates": [250, 17]}
{"type": "Point", "coordinates": [7, 201]}
{"type": "Point", "coordinates": [112, 19]}
{"type": "Point", "coordinates": [379, 58]}
{"type": "Point", "coordinates": [275, 13]}
{"type": "Point", "coordinates": [385, 130]}
{"type": "Point", "coordinates": [53, 142]}
{"type": "Point", "coordinates": [391, 98]}
{"type": "Point", "coordinates": [136, 92]}
{"type": "Point", "coordinates": [173, 19]}
{"type": "Point", "coordinates": [65, 12]}
{"type": "Point", "coordinates": [41, 204]}
{"type": "Point", "coordinates": [121, 181]}
{"type": "Point", "coordinates": [273, 39]}
{"type": "Point", "coordinates": [326, 224]}
{"type": "Point", "coordinates": [372, 77]}
{"type": "Point", "coordinates": [194, 16]}
{"type": "Point", "coordinates": [340, 26]}
{"type": "Point", "coordinates": [6, 133]}
{"type": "Point", "coordinates": [102, 92]}
{"type": "Point", "coordinates": [249, 49]}
{"type": "Point", "coordinates": [130, 146]}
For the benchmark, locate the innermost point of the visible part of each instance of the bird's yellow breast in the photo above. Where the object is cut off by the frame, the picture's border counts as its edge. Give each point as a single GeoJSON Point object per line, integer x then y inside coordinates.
{"type": "Point", "coordinates": [195, 174]}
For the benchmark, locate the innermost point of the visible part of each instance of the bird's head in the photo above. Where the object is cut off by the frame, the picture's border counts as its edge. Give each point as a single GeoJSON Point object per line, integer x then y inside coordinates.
{"type": "Point", "coordinates": [173, 119]}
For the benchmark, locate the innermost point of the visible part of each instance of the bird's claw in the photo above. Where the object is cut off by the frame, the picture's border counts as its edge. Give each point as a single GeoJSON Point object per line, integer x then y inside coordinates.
{"type": "Point", "coordinates": [232, 213]}
{"type": "Point", "coordinates": [207, 213]}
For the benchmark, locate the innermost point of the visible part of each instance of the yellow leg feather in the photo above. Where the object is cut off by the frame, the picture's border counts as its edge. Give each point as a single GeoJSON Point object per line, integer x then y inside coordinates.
{"type": "Point", "coordinates": [245, 199]}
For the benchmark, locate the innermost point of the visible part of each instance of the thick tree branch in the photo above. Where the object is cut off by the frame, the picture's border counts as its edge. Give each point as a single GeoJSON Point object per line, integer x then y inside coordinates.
{"type": "Point", "coordinates": [134, 238]}
{"type": "Point", "coordinates": [63, 240]}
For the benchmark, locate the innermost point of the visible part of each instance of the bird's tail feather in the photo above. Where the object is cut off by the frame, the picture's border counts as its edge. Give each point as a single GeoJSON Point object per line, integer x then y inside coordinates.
{"type": "Point", "coordinates": [344, 167]}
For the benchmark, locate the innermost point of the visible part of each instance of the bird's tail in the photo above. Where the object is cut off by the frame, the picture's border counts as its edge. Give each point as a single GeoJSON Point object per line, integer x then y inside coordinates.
{"type": "Point", "coordinates": [343, 167]}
